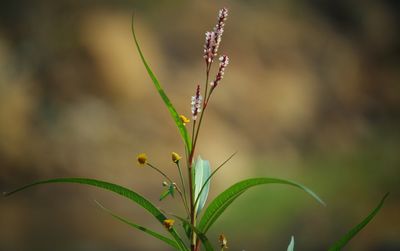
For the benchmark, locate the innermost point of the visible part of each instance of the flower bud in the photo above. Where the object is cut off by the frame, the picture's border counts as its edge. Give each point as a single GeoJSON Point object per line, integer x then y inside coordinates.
{"type": "Point", "coordinates": [175, 157]}
{"type": "Point", "coordinates": [142, 159]}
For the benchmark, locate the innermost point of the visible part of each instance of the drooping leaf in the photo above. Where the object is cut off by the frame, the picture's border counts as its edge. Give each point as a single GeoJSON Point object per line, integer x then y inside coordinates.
{"type": "Point", "coordinates": [125, 192]}
{"type": "Point", "coordinates": [291, 244]}
{"type": "Point", "coordinates": [144, 229]}
{"type": "Point", "coordinates": [354, 231]}
{"type": "Point", "coordinates": [164, 194]}
{"type": "Point", "coordinates": [170, 191]}
{"type": "Point", "coordinates": [223, 200]}
{"type": "Point", "coordinates": [170, 107]}
{"type": "Point", "coordinates": [203, 238]}
{"type": "Point", "coordinates": [202, 172]}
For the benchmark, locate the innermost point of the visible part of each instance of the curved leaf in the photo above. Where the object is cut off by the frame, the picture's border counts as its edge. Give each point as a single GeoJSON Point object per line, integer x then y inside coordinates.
{"type": "Point", "coordinates": [223, 200]}
{"type": "Point", "coordinates": [202, 172]}
{"type": "Point", "coordinates": [347, 237]}
{"type": "Point", "coordinates": [206, 183]}
{"type": "Point", "coordinates": [135, 197]}
{"type": "Point", "coordinates": [291, 245]}
{"type": "Point", "coordinates": [172, 110]}
{"type": "Point", "coordinates": [144, 229]}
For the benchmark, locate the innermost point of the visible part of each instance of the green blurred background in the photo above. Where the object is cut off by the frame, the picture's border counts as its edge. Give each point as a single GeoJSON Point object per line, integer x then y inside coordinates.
{"type": "Point", "coordinates": [312, 94]}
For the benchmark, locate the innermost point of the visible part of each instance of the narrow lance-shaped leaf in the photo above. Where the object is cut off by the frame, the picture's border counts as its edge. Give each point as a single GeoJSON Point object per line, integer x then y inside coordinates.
{"type": "Point", "coordinates": [170, 107]}
{"type": "Point", "coordinates": [354, 231]}
{"type": "Point", "coordinates": [161, 237]}
{"type": "Point", "coordinates": [222, 201]}
{"type": "Point", "coordinates": [202, 172]}
{"type": "Point", "coordinates": [125, 192]}
{"type": "Point", "coordinates": [291, 245]}
{"type": "Point", "coordinates": [207, 181]}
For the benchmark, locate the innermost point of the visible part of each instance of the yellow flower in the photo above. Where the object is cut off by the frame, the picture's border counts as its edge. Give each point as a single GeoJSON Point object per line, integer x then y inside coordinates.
{"type": "Point", "coordinates": [168, 223]}
{"type": "Point", "coordinates": [142, 159]}
{"type": "Point", "coordinates": [184, 119]}
{"type": "Point", "coordinates": [175, 157]}
{"type": "Point", "coordinates": [223, 241]}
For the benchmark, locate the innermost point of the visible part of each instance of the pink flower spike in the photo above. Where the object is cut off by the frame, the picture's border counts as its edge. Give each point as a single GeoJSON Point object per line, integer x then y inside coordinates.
{"type": "Point", "coordinates": [213, 38]}
{"type": "Point", "coordinates": [196, 103]}
{"type": "Point", "coordinates": [223, 63]}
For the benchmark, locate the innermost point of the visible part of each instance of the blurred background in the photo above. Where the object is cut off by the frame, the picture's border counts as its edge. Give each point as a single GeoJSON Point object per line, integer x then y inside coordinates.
{"type": "Point", "coordinates": [312, 94]}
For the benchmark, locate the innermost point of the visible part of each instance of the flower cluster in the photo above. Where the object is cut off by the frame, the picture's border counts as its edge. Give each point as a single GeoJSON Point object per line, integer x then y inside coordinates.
{"type": "Point", "coordinates": [196, 103]}
{"type": "Point", "coordinates": [223, 62]}
{"type": "Point", "coordinates": [213, 38]}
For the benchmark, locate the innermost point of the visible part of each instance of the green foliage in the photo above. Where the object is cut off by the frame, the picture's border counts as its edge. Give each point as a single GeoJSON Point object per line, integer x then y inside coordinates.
{"type": "Point", "coordinates": [169, 191]}
{"type": "Point", "coordinates": [125, 192]}
{"type": "Point", "coordinates": [354, 231]}
{"type": "Point", "coordinates": [170, 242]}
{"type": "Point", "coordinates": [203, 238]}
{"type": "Point", "coordinates": [222, 201]}
{"type": "Point", "coordinates": [199, 173]}
{"type": "Point", "coordinates": [167, 102]}
{"type": "Point", "coordinates": [202, 171]}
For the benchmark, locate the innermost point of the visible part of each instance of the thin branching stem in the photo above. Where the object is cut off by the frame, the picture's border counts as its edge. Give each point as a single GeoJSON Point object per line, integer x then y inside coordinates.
{"type": "Point", "coordinates": [176, 186]}
{"type": "Point", "coordinates": [183, 200]}
{"type": "Point", "coordinates": [161, 172]}
{"type": "Point", "coordinates": [183, 184]}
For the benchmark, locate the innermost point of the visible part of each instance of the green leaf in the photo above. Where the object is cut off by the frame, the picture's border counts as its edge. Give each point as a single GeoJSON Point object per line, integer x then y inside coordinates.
{"type": "Point", "coordinates": [125, 192]}
{"type": "Point", "coordinates": [172, 110]}
{"type": "Point", "coordinates": [203, 238]}
{"type": "Point", "coordinates": [144, 229]}
{"type": "Point", "coordinates": [354, 231]}
{"type": "Point", "coordinates": [206, 183]}
{"type": "Point", "coordinates": [202, 172]}
{"type": "Point", "coordinates": [170, 191]}
{"type": "Point", "coordinates": [164, 194]}
{"type": "Point", "coordinates": [187, 229]}
{"type": "Point", "coordinates": [291, 245]}
{"type": "Point", "coordinates": [222, 201]}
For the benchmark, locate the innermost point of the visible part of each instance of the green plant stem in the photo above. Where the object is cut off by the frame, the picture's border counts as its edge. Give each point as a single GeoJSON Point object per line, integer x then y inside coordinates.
{"type": "Point", "coordinates": [193, 131]}
{"type": "Point", "coordinates": [183, 186]}
{"type": "Point", "coordinates": [183, 200]}
{"type": "Point", "coordinates": [161, 172]}
{"type": "Point", "coordinates": [195, 244]}
{"type": "Point", "coordinates": [206, 84]}
{"type": "Point", "coordinates": [191, 197]}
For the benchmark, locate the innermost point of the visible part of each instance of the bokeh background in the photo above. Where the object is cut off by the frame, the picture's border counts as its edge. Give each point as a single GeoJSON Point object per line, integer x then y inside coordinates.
{"type": "Point", "coordinates": [312, 94]}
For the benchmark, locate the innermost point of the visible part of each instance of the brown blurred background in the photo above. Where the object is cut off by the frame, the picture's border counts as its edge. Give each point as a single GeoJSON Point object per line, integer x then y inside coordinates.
{"type": "Point", "coordinates": [312, 94]}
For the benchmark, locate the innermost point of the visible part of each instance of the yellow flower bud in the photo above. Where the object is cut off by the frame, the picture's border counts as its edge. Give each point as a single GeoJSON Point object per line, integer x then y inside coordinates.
{"type": "Point", "coordinates": [168, 223]}
{"type": "Point", "coordinates": [223, 241]}
{"type": "Point", "coordinates": [175, 157]}
{"type": "Point", "coordinates": [184, 119]}
{"type": "Point", "coordinates": [142, 159]}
